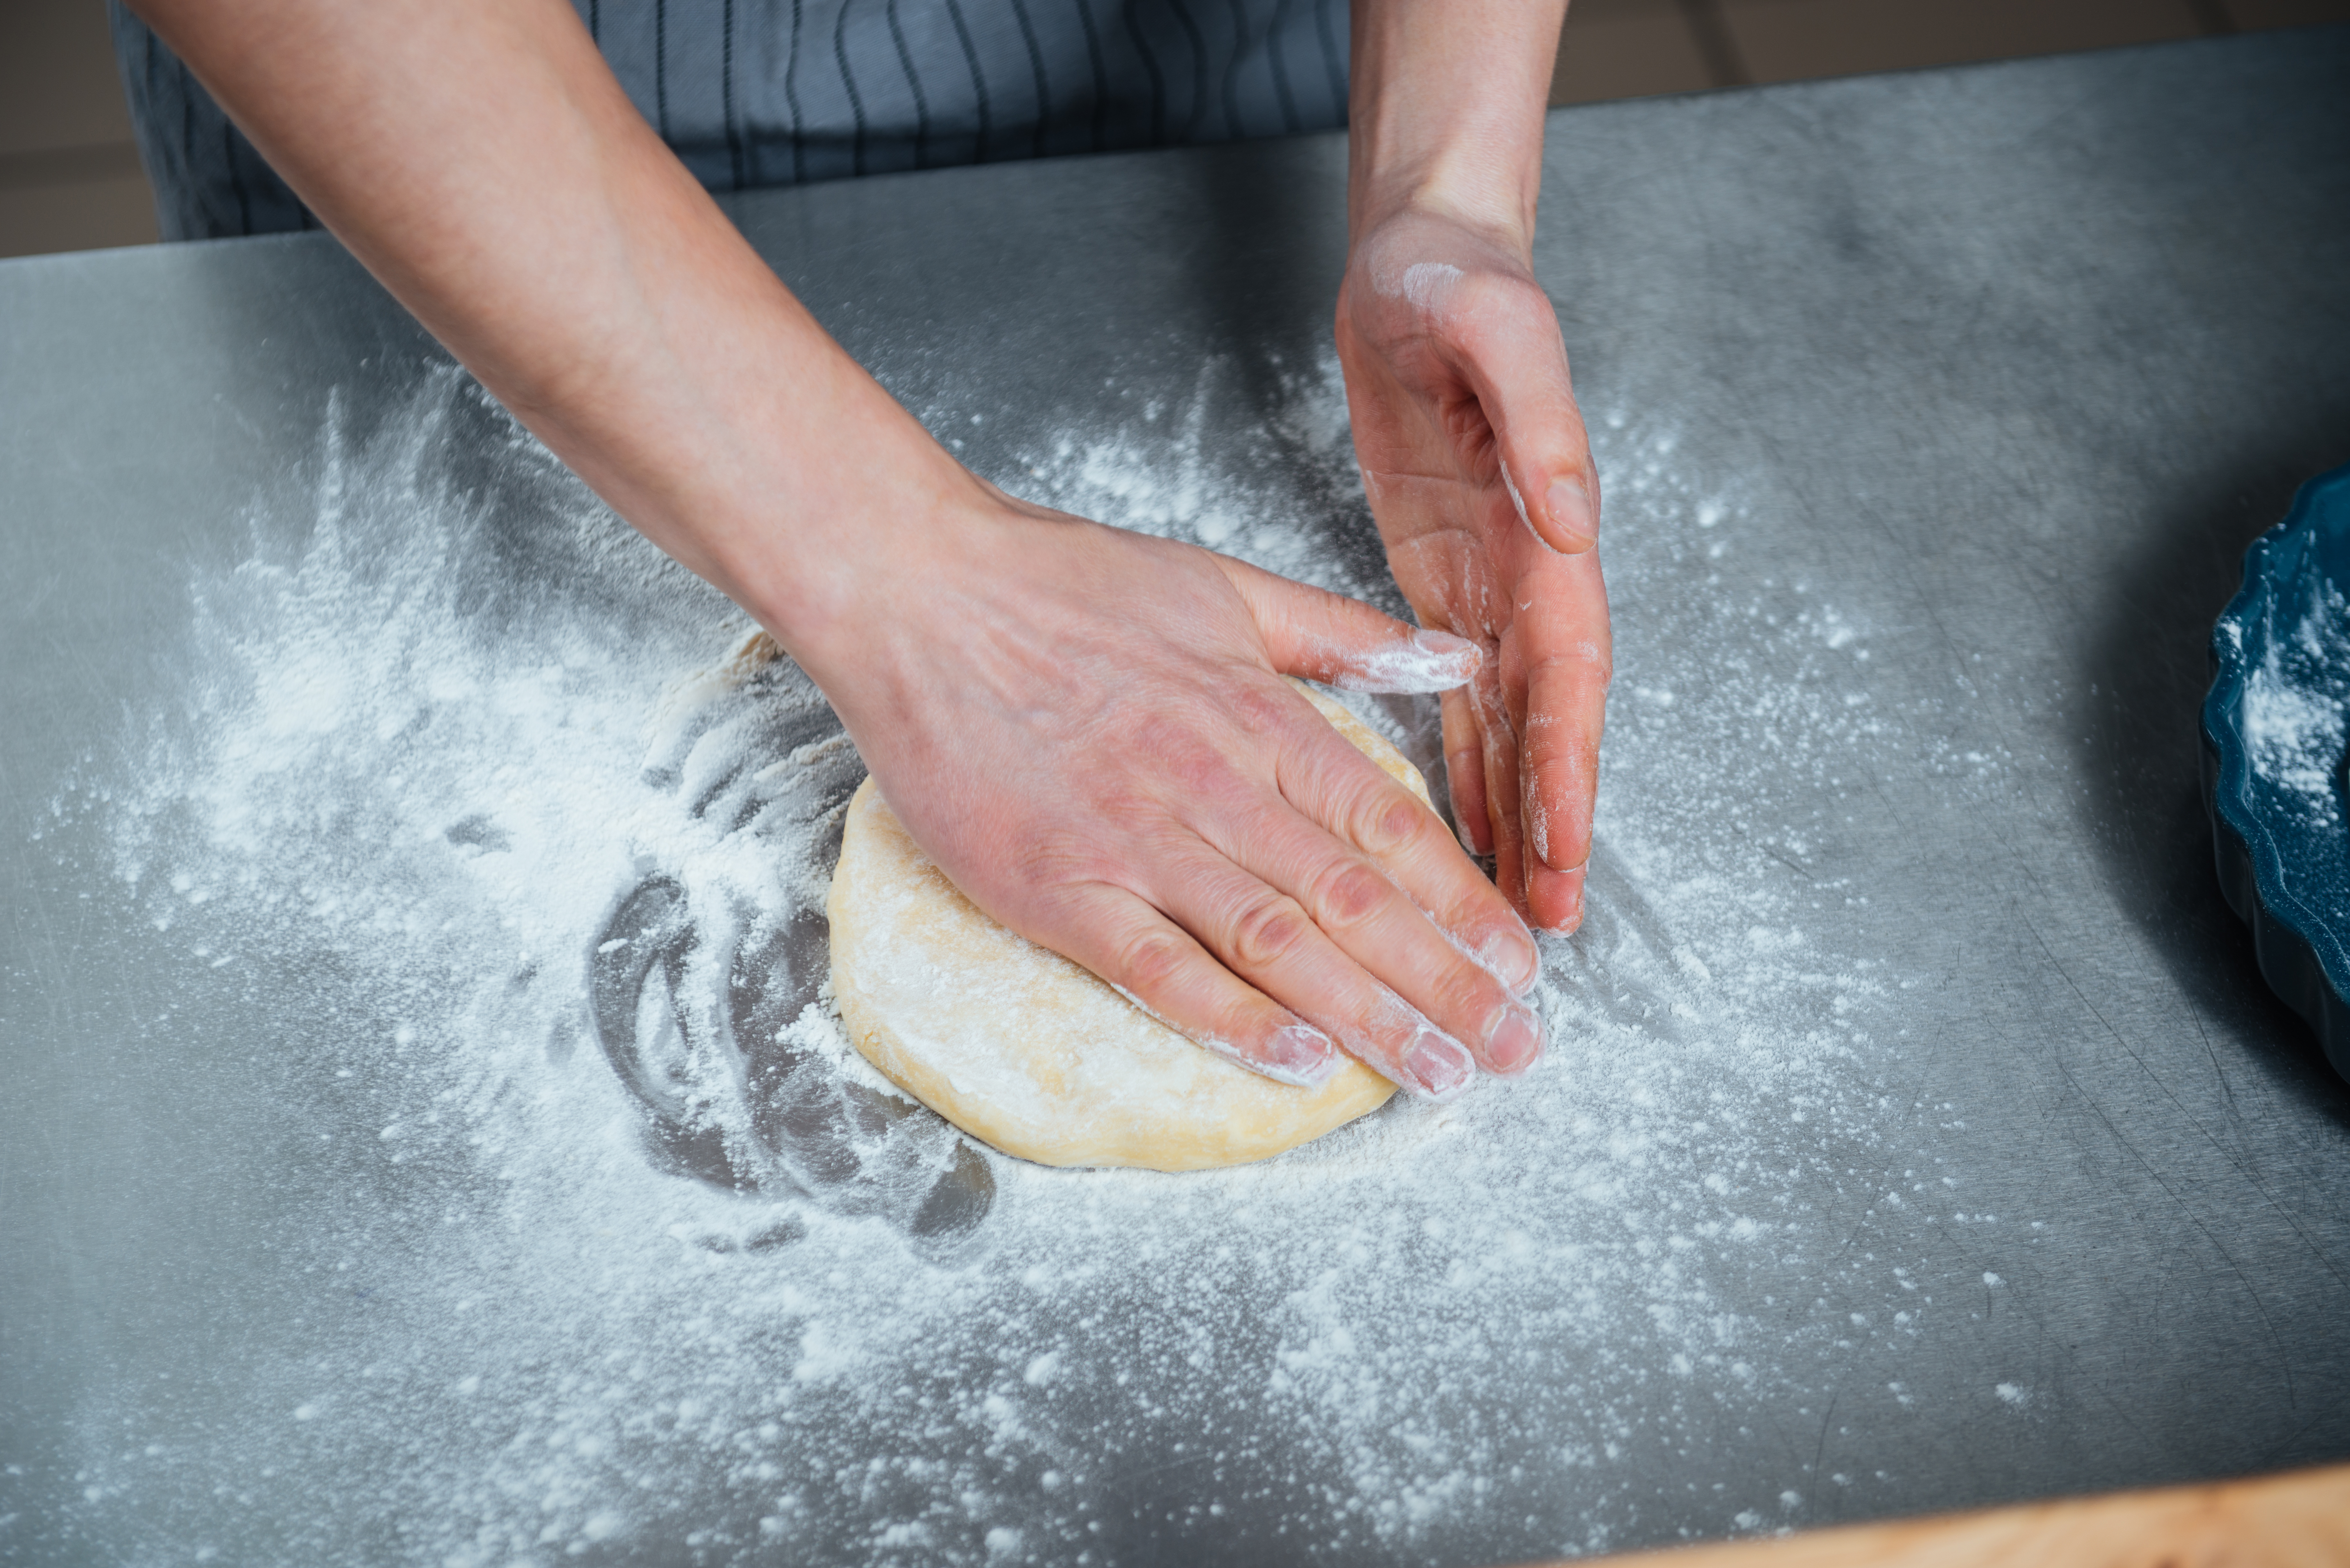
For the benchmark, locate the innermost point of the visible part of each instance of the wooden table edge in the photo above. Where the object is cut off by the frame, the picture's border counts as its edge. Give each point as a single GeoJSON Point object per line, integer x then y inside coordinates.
{"type": "Point", "coordinates": [2299, 1519]}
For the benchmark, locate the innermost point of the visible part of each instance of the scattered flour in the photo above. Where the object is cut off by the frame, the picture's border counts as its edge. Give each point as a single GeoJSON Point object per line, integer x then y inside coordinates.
{"type": "Point", "coordinates": [436, 750]}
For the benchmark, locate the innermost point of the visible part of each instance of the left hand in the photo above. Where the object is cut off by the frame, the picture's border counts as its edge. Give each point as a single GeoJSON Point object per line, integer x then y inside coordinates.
{"type": "Point", "coordinates": [1475, 460]}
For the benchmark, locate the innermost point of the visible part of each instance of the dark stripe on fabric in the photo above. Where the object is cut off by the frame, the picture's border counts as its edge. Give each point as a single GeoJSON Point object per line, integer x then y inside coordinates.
{"type": "Point", "coordinates": [914, 81]}
{"type": "Point", "coordinates": [1198, 69]}
{"type": "Point", "coordinates": [1232, 71]}
{"type": "Point", "coordinates": [1036, 69]}
{"type": "Point", "coordinates": [978, 78]}
{"type": "Point", "coordinates": [848, 80]}
{"type": "Point", "coordinates": [237, 176]}
{"type": "Point", "coordinates": [139, 111]}
{"type": "Point", "coordinates": [792, 101]}
{"type": "Point", "coordinates": [1157, 79]}
{"type": "Point", "coordinates": [187, 124]}
{"type": "Point", "coordinates": [1280, 71]}
{"type": "Point", "coordinates": [1330, 61]}
{"type": "Point", "coordinates": [1101, 78]}
{"type": "Point", "coordinates": [726, 98]}
{"type": "Point", "coordinates": [660, 67]}
{"type": "Point", "coordinates": [595, 23]}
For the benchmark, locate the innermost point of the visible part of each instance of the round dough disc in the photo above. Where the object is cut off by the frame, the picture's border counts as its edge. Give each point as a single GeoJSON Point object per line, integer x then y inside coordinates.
{"type": "Point", "coordinates": [1027, 1050]}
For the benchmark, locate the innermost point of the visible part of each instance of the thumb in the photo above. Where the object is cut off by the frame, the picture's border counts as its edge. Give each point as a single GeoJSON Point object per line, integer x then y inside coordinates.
{"type": "Point", "coordinates": [1343, 642]}
{"type": "Point", "coordinates": [1508, 349]}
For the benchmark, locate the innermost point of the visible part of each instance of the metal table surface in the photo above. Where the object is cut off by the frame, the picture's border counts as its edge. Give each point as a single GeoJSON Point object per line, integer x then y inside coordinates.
{"type": "Point", "coordinates": [1917, 1133]}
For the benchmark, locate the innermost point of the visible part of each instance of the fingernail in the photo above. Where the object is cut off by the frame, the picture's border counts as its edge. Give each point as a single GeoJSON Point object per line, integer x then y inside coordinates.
{"type": "Point", "coordinates": [1430, 661]}
{"type": "Point", "coordinates": [1444, 645]}
{"type": "Point", "coordinates": [1568, 504]}
{"type": "Point", "coordinates": [1512, 957]}
{"type": "Point", "coordinates": [1301, 1055]}
{"type": "Point", "coordinates": [1514, 1041]}
{"type": "Point", "coordinates": [1509, 484]}
{"type": "Point", "coordinates": [1570, 913]}
{"type": "Point", "coordinates": [1437, 1066]}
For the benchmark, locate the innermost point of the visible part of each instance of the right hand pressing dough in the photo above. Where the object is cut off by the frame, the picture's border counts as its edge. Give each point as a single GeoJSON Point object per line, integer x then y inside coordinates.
{"type": "Point", "coordinates": [1027, 1051]}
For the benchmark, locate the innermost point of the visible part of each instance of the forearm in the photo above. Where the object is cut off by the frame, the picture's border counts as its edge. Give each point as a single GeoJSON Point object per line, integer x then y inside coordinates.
{"type": "Point", "coordinates": [1086, 728]}
{"type": "Point", "coordinates": [1446, 111]}
{"type": "Point", "coordinates": [480, 159]}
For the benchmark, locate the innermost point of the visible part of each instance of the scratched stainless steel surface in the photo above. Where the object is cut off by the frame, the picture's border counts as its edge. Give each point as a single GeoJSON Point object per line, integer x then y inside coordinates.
{"type": "Point", "coordinates": [2001, 366]}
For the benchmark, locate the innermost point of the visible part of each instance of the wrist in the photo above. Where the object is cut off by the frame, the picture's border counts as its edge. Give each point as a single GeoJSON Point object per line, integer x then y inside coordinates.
{"type": "Point", "coordinates": [1482, 181]}
{"type": "Point", "coordinates": [842, 537]}
{"type": "Point", "coordinates": [1446, 113]}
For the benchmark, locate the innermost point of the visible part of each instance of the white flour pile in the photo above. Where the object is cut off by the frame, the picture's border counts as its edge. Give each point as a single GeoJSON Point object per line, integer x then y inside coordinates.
{"type": "Point", "coordinates": [430, 751]}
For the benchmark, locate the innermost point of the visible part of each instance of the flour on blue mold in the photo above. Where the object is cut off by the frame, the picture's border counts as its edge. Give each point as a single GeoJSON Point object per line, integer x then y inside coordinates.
{"type": "Point", "coordinates": [2296, 703]}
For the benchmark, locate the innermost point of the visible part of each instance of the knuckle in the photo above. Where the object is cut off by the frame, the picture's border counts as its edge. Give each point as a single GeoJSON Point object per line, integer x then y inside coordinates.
{"type": "Point", "coordinates": [1149, 961]}
{"type": "Point", "coordinates": [1056, 863]}
{"type": "Point", "coordinates": [1500, 297]}
{"type": "Point", "coordinates": [1268, 928]}
{"type": "Point", "coordinates": [1585, 659]}
{"type": "Point", "coordinates": [1350, 893]}
{"type": "Point", "coordinates": [1179, 759]}
{"type": "Point", "coordinates": [1467, 991]}
{"type": "Point", "coordinates": [1387, 821]}
{"type": "Point", "coordinates": [1261, 711]}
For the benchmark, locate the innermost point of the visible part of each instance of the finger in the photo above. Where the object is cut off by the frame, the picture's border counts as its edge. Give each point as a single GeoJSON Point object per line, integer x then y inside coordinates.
{"type": "Point", "coordinates": [1450, 947]}
{"type": "Point", "coordinates": [1506, 336]}
{"type": "Point", "coordinates": [1343, 642]}
{"type": "Point", "coordinates": [1554, 672]}
{"type": "Point", "coordinates": [1566, 708]}
{"type": "Point", "coordinates": [1498, 737]}
{"type": "Point", "coordinates": [1159, 966]}
{"type": "Point", "coordinates": [1435, 888]}
{"type": "Point", "coordinates": [1267, 938]}
{"type": "Point", "coordinates": [1464, 771]}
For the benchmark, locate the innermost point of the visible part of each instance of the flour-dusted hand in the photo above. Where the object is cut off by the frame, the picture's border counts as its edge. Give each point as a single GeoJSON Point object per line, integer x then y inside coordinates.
{"type": "Point", "coordinates": [1089, 730]}
{"type": "Point", "coordinates": [1473, 458]}
{"type": "Point", "coordinates": [1465, 424]}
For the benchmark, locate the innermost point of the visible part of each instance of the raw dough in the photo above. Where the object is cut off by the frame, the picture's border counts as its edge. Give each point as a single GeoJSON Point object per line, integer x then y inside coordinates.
{"type": "Point", "coordinates": [1027, 1050]}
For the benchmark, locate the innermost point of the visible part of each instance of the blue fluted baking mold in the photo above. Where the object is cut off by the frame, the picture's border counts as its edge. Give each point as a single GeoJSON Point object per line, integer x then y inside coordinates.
{"type": "Point", "coordinates": [2285, 869]}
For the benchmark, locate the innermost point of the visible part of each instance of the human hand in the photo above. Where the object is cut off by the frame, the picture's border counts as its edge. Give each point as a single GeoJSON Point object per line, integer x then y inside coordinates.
{"type": "Point", "coordinates": [1086, 729]}
{"type": "Point", "coordinates": [1474, 458]}
{"type": "Point", "coordinates": [1089, 730]}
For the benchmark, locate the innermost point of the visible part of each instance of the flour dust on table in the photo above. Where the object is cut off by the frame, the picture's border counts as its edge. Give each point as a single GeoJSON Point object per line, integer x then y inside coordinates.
{"type": "Point", "coordinates": [650, 1258]}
